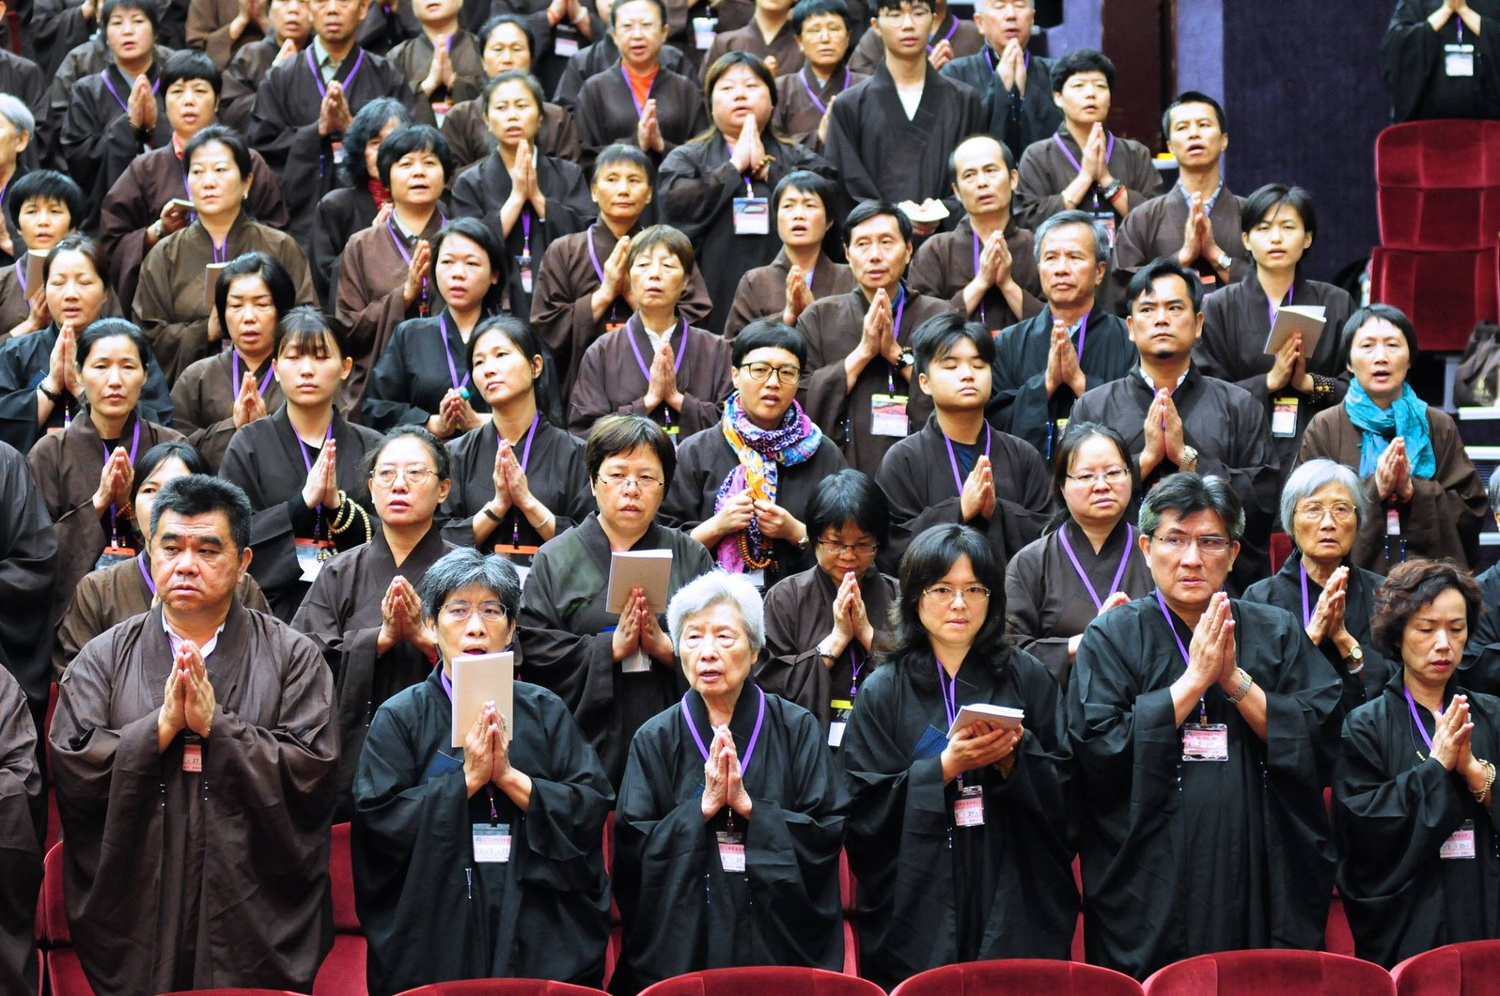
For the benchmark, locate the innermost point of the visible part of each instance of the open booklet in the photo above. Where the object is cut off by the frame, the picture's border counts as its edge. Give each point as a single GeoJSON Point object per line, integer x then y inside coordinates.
{"type": "Point", "coordinates": [649, 570]}
{"type": "Point", "coordinates": [1002, 716]}
{"type": "Point", "coordinates": [1291, 319]}
{"type": "Point", "coordinates": [479, 679]}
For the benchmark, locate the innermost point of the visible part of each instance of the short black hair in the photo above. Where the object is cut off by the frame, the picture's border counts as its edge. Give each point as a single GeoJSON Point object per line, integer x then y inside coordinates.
{"type": "Point", "coordinates": [1074, 437]}
{"type": "Point", "coordinates": [1082, 60]}
{"type": "Point", "coordinates": [619, 152]}
{"type": "Point", "coordinates": [147, 7]}
{"type": "Point", "coordinates": [866, 210]}
{"type": "Point", "coordinates": [1373, 313]}
{"type": "Point", "coordinates": [661, 9]}
{"type": "Point", "coordinates": [45, 184]}
{"type": "Point", "coordinates": [526, 339]}
{"type": "Point", "coordinates": [511, 76]}
{"type": "Point", "coordinates": [849, 496]}
{"type": "Point", "coordinates": [305, 327]}
{"type": "Point", "coordinates": [1165, 266]}
{"type": "Point", "coordinates": [807, 9]}
{"type": "Point", "coordinates": [202, 494]}
{"type": "Point", "coordinates": [485, 236]}
{"type": "Point", "coordinates": [367, 125]}
{"type": "Point", "coordinates": [516, 20]}
{"type": "Point", "coordinates": [930, 556]}
{"type": "Point", "coordinates": [408, 139]}
{"type": "Point", "coordinates": [225, 136]}
{"type": "Point", "coordinates": [190, 64]}
{"type": "Point", "coordinates": [1267, 199]}
{"type": "Point", "coordinates": [179, 449]}
{"type": "Point", "coordinates": [769, 333]}
{"type": "Point", "coordinates": [442, 460]}
{"type": "Point", "coordinates": [616, 434]}
{"type": "Point", "coordinates": [936, 337]}
{"type": "Point", "coordinates": [808, 182]}
{"type": "Point", "coordinates": [880, 5]}
{"type": "Point", "coordinates": [1188, 494]}
{"type": "Point", "coordinates": [1193, 97]}
{"type": "Point", "coordinates": [258, 264]}
{"type": "Point", "coordinates": [111, 328]}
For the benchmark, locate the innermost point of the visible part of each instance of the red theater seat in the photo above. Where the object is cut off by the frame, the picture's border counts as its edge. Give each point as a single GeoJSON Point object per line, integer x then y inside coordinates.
{"type": "Point", "coordinates": [764, 981]}
{"type": "Point", "coordinates": [64, 974]}
{"type": "Point", "coordinates": [502, 987]}
{"type": "Point", "coordinates": [1271, 973]}
{"type": "Point", "coordinates": [1471, 969]}
{"type": "Point", "coordinates": [1019, 977]}
{"type": "Point", "coordinates": [1438, 184]}
{"type": "Point", "coordinates": [343, 970]}
{"type": "Point", "coordinates": [1444, 293]}
{"type": "Point", "coordinates": [232, 992]}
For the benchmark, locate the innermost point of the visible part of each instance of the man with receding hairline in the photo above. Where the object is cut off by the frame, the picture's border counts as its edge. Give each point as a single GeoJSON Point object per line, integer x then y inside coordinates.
{"type": "Point", "coordinates": [1015, 84]}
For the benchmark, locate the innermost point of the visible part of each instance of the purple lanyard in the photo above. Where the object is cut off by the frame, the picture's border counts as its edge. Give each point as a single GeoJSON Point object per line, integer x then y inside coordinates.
{"type": "Point", "coordinates": [1114, 585]}
{"type": "Point", "coordinates": [1083, 334]}
{"type": "Point", "coordinates": [307, 461]}
{"type": "Point", "coordinates": [447, 682]}
{"type": "Point", "coordinates": [1109, 151]}
{"type": "Point", "coordinates": [234, 363]}
{"type": "Point", "coordinates": [822, 108]}
{"type": "Point", "coordinates": [760, 718]}
{"type": "Point", "coordinates": [135, 444]}
{"type": "Point", "coordinates": [525, 234]}
{"type": "Point", "coordinates": [400, 243]}
{"type": "Point", "coordinates": [104, 75]}
{"type": "Point", "coordinates": [594, 257]}
{"type": "Point", "coordinates": [890, 371]}
{"type": "Point", "coordinates": [630, 89]}
{"type": "Point", "coordinates": [1306, 612]}
{"type": "Point", "coordinates": [1272, 307]}
{"type": "Point", "coordinates": [318, 76]}
{"type": "Point", "coordinates": [951, 32]}
{"type": "Point", "coordinates": [221, 252]}
{"type": "Point", "coordinates": [458, 385]}
{"type": "Point", "coordinates": [1416, 718]}
{"type": "Point", "coordinates": [640, 360]}
{"type": "Point", "coordinates": [1160, 600]}
{"type": "Point", "coordinates": [948, 687]}
{"type": "Point", "coordinates": [989, 437]}
{"type": "Point", "coordinates": [530, 435]}
{"type": "Point", "coordinates": [140, 561]}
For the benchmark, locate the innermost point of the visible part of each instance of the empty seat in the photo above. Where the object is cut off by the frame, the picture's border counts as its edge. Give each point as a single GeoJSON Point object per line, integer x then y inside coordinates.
{"type": "Point", "coordinates": [1271, 973]}
{"type": "Point", "coordinates": [1444, 293]}
{"type": "Point", "coordinates": [1470, 969]}
{"type": "Point", "coordinates": [1019, 977]}
{"type": "Point", "coordinates": [764, 981]}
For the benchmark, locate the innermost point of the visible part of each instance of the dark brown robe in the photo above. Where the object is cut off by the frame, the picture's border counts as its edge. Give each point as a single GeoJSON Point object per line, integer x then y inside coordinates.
{"type": "Point", "coordinates": [762, 291]}
{"type": "Point", "coordinates": [208, 29]}
{"type": "Point", "coordinates": [88, 58]}
{"type": "Point", "coordinates": [798, 96]}
{"type": "Point", "coordinates": [54, 28]}
{"type": "Point", "coordinates": [963, 36]}
{"type": "Point", "coordinates": [607, 113]}
{"type": "Point", "coordinates": [235, 899]}
{"type": "Point", "coordinates": [388, 24]}
{"type": "Point", "coordinates": [28, 571]}
{"type": "Point", "coordinates": [945, 264]}
{"type": "Point", "coordinates": [610, 379]}
{"type": "Point", "coordinates": [242, 78]}
{"type": "Point", "coordinates": [414, 58]}
{"type": "Point", "coordinates": [114, 594]}
{"type": "Point", "coordinates": [341, 213]}
{"type": "Point", "coordinates": [23, 79]}
{"type": "Point", "coordinates": [561, 311]}
{"type": "Point", "coordinates": [14, 306]}
{"type": "Point", "coordinates": [832, 328]}
{"type": "Point", "coordinates": [1445, 515]}
{"type": "Point", "coordinates": [1154, 229]}
{"type": "Point", "coordinates": [593, 59]}
{"type": "Point", "coordinates": [203, 401]}
{"type": "Point", "coordinates": [23, 820]}
{"type": "Point", "coordinates": [1046, 172]}
{"type": "Point", "coordinates": [470, 140]}
{"type": "Point", "coordinates": [67, 466]}
{"type": "Point", "coordinates": [783, 47]}
{"type": "Point", "coordinates": [171, 304]}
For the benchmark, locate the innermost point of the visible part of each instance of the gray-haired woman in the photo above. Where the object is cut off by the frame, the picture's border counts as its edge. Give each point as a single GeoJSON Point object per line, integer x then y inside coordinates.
{"type": "Point", "coordinates": [456, 849]}
{"type": "Point", "coordinates": [731, 814]}
{"type": "Point", "coordinates": [1322, 508]}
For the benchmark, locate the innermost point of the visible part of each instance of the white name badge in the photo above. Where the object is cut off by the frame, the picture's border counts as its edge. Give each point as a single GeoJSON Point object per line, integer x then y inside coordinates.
{"type": "Point", "coordinates": [491, 843]}
{"type": "Point", "coordinates": [636, 663]}
{"type": "Point", "coordinates": [564, 42]}
{"type": "Point", "coordinates": [1458, 60]}
{"type": "Point", "coordinates": [836, 733]}
{"type": "Point", "coordinates": [1205, 742]}
{"type": "Point", "coordinates": [1284, 417]}
{"type": "Point", "coordinates": [1393, 522]}
{"type": "Point", "coordinates": [888, 415]}
{"type": "Point", "coordinates": [523, 263]}
{"type": "Point", "coordinates": [732, 850]}
{"type": "Point", "coordinates": [703, 32]}
{"type": "Point", "coordinates": [192, 761]}
{"type": "Point", "coordinates": [757, 577]}
{"type": "Point", "coordinates": [968, 808]}
{"type": "Point", "coordinates": [440, 109]}
{"type": "Point", "coordinates": [1460, 844]}
{"type": "Point", "coordinates": [338, 153]}
{"type": "Point", "coordinates": [310, 557]}
{"type": "Point", "coordinates": [752, 216]}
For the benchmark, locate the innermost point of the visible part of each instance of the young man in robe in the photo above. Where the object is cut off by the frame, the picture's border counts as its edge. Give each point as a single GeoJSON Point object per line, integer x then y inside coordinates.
{"type": "Point", "coordinates": [1176, 419]}
{"type": "Point", "coordinates": [1016, 86]}
{"type": "Point", "coordinates": [859, 343]}
{"type": "Point", "coordinates": [23, 821]}
{"type": "Point", "coordinates": [1073, 344]}
{"type": "Point", "coordinates": [985, 266]}
{"type": "Point", "coordinates": [769, 35]}
{"type": "Point", "coordinates": [306, 103]}
{"type": "Point", "coordinates": [1203, 730]}
{"type": "Point", "coordinates": [890, 136]}
{"type": "Point", "coordinates": [291, 29]}
{"type": "Point", "coordinates": [1084, 166]}
{"type": "Point", "coordinates": [947, 39]}
{"type": "Point", "coordinates": [245, 707]}
{"type": "Point", "coordinates": [1441, 59]}
{"type": "Point", "coordinates": [823, 29]}
{"type": "Point", "coordinates": [1198, 220]}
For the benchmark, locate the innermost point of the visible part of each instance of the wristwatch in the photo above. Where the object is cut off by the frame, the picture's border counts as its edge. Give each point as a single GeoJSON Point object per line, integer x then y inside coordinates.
{"type": "Point", "coordinates": [1354, 660]}
{"type": "Point", "coordinates": [1224, 262]}
{"type": "Point", "coordinates": [1189, 459]}
{"type": "Point", "coordinates": [1246, 681]}
{"type": "Point", "coordinates": [907, 359]}
{"type": "Point", "coordinates": [804, 542]}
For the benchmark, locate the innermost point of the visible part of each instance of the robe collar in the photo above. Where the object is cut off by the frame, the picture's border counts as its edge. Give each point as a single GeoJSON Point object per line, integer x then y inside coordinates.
{"type": "Point", "coordinates": [226, 667]}
{"type": "Point", "coordinates": [83, 426]}
{"type": "Point", "coordinates": [292, 446]}
{"type": "Point", "coordinates": [234, 238]}
{"type": "Point", "coordinates": [596, 543]}
{"type": "Point", "coordinates": [1084, 548]}
{"type": "Point", "coordinates": [965, 230]}
{"type": "Point", "coordinates": [428, 550]}
{"type": "Point", "coordinates": [1190, 381]}
{"type": "Point", "coordinates": [741, 722]}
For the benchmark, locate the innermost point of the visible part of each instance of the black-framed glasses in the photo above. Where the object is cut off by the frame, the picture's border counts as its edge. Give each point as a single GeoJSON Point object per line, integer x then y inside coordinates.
{"type": "Point", "coordinates": [761, 372]}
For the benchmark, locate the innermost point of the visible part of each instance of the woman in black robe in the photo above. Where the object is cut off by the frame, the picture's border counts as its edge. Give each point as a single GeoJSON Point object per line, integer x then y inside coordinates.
{"type": "Point", "coordinates": [822, 624]}
{"type": "Point", "coordinates": [731, 813]}
{"type": "Point", "coordinates": [1414, 807]}
{"type": "Point", "coordinates": [486, 860]}
{"type": "Point", "coordinates": [717, 188]}
{"type": "Point", "coordinates": [519, 477]}
{"type": "Point", "coordinates": [960, 843]}
{"type": "Point", "coordinates": [1089, 563]}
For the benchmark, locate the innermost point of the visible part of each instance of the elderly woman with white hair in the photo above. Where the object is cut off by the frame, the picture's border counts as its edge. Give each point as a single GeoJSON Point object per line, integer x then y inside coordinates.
{"type": "Point", "coordinates": [731, 814]}
{"type": "Point", "coordinates": [1322, 507]}
{"type": "Point", "coordinates": [17, 128]}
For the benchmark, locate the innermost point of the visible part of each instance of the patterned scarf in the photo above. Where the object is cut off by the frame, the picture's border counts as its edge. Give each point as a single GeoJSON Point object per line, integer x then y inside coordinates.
{"type": "Point", "coordinates": [759, 451]}
{"type": "Point", "coordinates": [378, 191]}
{"type": "Point", "coordinates": [1406, 417]}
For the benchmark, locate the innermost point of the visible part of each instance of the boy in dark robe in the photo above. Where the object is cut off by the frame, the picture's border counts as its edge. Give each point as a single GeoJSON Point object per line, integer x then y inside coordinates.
{"type": "Point", "coordinates": [948, 38]}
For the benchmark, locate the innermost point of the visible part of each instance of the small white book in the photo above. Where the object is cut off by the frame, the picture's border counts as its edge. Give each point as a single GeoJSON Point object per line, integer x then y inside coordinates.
{"type": "Point", "coordinates": [36, 259]}
{"type": "Point", "coordinates": [1293, 318]}
{"type": "Point", "coordinates": [1003, 716]}
{"type": "Point", "coordinates": [479, 679]}
{"type": "Point", "coordinates": [649, 570]}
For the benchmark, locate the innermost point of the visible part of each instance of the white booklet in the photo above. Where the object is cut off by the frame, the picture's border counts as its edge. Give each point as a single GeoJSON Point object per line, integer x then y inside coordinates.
{"type": "Point", "coordinates": [1293, 318]}
{"type": "Point", "coordinates": [1003, 716]}
{"type": "Point", "coordinates": [649, 570]}
{"type": "Point", "coordinates": [479, 679]}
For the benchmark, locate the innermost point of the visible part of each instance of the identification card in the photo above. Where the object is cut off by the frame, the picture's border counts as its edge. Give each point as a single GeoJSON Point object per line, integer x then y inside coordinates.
{"type": "Point", "coordinates": [1205, 742]}
{"type": "Point", "coordinates": [612, 326]}
{"type": "Point", "coordinates": [839, 711]}
{"type": "Point", "coordinates": [757, 577]}
{"type": "Point", "coordinates": [968, 808]}
{"type": "Point", "coordinates": [440, 109]}
{"type": "Point", "coordinates": [310, 557]}
{"type": "Point", "coordinates": [752, 216]}
{"type": "Point", "coordinates": [1458, 60]}
{"type": "Point", "coordinates": [1284, 417]}
{"type": "Point", "coordinates": [836, 733]}
{"type": "Point", "coordinates": [731, 850]}
{"type": "Point", "coordinates": [1108, 220]}
{"type": "Point", "coordinates": [1393, 522]}
{"type": "Point", "coordinates": [523, 263]}
{"type": "Point", "coordinates": [338, 153]}
{"type": "Point", "coordinates": [491, 843]}
{"type": "Point", "coordinates": [564, 41]}
{"type": "Point", "coordinates": [192, 762]}
{"type": "Point", "coordinates": [1460, 844]}
{"type": "Point", "coordinates": [113, 555]}
{"type": "Point", "coordinates": [888, 415]}
{"type": "Point", "coordinates": [703, 32]}
{"type": "Point", "coordinates": [636, 663]}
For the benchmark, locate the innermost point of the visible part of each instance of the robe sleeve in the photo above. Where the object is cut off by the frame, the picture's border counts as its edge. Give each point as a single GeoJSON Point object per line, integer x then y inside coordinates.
{"type": "Point", "coordinates": [272, 532]}
{"type": "Point", "coordinates": [566, 324]}
{"type": "Point", "coordinates": [177, 344]}
{"type": "Point", "coordinates": [1456, 495]}
{"type": "Point", "coordinates": [211, 440]}
{"type": "Point", "coordinates": [1034, 200]}
{"type": "Point", "coordinates": [79, 529]}
{"type": "Point", "coordinates": [368, 314]}
{"type": "Point", "coordinates": [1249, 461]}
{"type": "Point", "coordinates": [579, 667]}
{"type": "Point", "coordinates": [385, 403]}
{"type": "Point", "coordinates": [85, 618]}
{"type": "Point", "coordinates": [1411, 54]}
{"type": "Point", "coordinates": [693, 193]}
{"type": "Point", "coordinates": [826, 400]}
{"type": "Point", "coordinates": [28, 569]}
{"type": "Point", "coordinates": [1024, 598]}
{"type": "Point", "coordinates": [842, 150]}
{"type": "Point", "coordinates": [795, 672]}
{"type": "Point", "coordinates": [207, 31]}
{"type": "Point", "coordinates": [589, 402]}
{"type": "Point", "coordinates": [22, 826]}
{"type": "Point", "coordinates": [325, 254]}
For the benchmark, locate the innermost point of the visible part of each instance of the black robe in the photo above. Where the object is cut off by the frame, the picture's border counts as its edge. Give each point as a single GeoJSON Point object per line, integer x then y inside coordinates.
{"type": "Point", "coordinates": [1229, 430]}
{"type": "Point", "coordinates": [414, 58]}
{"type": "Point", "coordinates": [707, 459]}
{"type": "Point", "coordinates": [683, 912]}
{"type": "Point", "coordinates": [1015, 119]}
{"type": "Point", "coordinates": [918, 478]}
{"type": "Point", "coordinates": [1046, 172]}
{"type": "Point", "coordinates": [1284, 590]}
{"type": "Point", "coordinates": [1393, 808]}
{"type": "Point", "coordinates": [203, 401]}
{"type": "Point", "coordinates": [28, 571]}
{"type": "Point", "coordinates": [567, 637]}
{"type": "Point", "coordinates": [946, 262]}
{"type": "Point", "coordinates": [341, 213]}
{"type": "Point", "coordinates": [881, 154]}
{"type": "Point", "coordinates": [544, 914]}
{"type": "Point", "coordinates": [932, 893]}
{"type": "Point", "coordinates": [239, 876]}
{"type": "Point", "coordinates": [23, 821]}
{"type": "Point", "coordinates": [1020, 405]}
{"type": "Point", "coordinates": [23, 79]}
{"type": "Point", "coordinates": [341, 614]}
{"type": "Point", "coordinates": [1181, 858]}
{"type": "Point", "coordinates": [868, 47]}
{"type": "Point", "coordinates": [1480, 670]}
{"type": "Point", "coordinates": [592, 60]}
{"type": "Point", "coordinates": [55, 27]}
{"type": "Point", "coordinates": [412, 375]}
{"type": "Point", "coordinates": [1413, 62]}
{"type": "Point", "coordinates": [1046, 602]}
{"type": "Point", "coordinates": [762, 290]}
{"type": "Point", "coordinates": [1154, 229]}
{"type": "Point", "coordinates": [95, 137]}
{"type": "Point", "coordinates": [797, 114]}
{"type": "Point", "coordinates": [698, 186]}
{"type": "Point", "coordinates": [606, 110]}
{"type": "Point", "coordinates": [268, 460]}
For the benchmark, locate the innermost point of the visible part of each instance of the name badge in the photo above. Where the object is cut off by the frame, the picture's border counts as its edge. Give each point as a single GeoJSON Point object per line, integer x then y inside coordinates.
{"type": "Point", "coordinates": [1108, 220]}
{"type": "Point", "coordinates": [752, 216]}
{"type": "Point", "coordinates": [703, 32]}
{"type": "Point", "coordinates": [491, 843]}
{"type": "Point", "coordinates": [1205, 742]}
{"type": "Point", "coordinates": [564, 41]}
{"type": "Point", "coordinates": [757, 577]}
{"type": "Point", "coordinates": [836, 733]}
{"type": "Point", "coordinates": [731, 850]}
{"type": "Point", "coordinates": [1393, 522]}
{"type": "Point", "coordinates": [1460, 844]}
{"type": "Point", "coordinates": [524, 264]}
{"type": "Point", "coordinates": [839, 710]}
{"type": "Point", "coordinates": [888, 415]}
{"type": "Point", "coordinates": [440, 109]}
{"type": "Point", "coordinates": [310, 557]}
{"type": "Point", "coordinates": [338, 153]}
{"type": "Point", "coordinates": [113, 555]}
{"type": "Point", "coordinates": [968, 808]}
{"type": "Point", "coordinates": [1458, 60]}
{"type": "Point", "coordinates": [192, 762]}
{"type": "Point", "coordinates": [636, 663]}
{"type": "Point", "coordinates": [1284, 417]}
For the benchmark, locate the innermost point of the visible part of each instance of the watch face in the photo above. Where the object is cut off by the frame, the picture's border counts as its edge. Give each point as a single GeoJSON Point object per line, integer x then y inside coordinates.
{"type": "Point", "coordinates": [908, 357]}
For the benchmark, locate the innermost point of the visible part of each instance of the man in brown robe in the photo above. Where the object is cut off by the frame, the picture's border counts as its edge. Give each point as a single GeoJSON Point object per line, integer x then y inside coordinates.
{"type": "Point", "coordinates": [289, 22]}
{"type": "Point", "coordinates": [859, 344]}
{"type": "Point", "coordinates": [442, 81]}
{"type": "Point", "coordinates": [949, 38]}
{"type": "Point", "coordinates": [239, 893]}
{"type": "Point", "coordinates": [23, 821]}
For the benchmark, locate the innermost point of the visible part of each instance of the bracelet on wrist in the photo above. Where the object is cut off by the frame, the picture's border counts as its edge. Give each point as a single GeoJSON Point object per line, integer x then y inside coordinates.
{"type": "Point", "coordinates": [1489, 781]}
{"type": "Point", "coordinates": [1246, 683]}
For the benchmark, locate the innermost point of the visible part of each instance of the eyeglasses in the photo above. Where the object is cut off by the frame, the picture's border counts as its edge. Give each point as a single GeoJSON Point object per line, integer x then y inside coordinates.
{"type": "Point", "coordinates": [1112, 476]}
{"type": "Point", "coordinates": [864, 548]}
{"type": "Point", "coordinates": [1313, 513]}
{"type": "Point", "coordinates": [415, 476]}
{"type": "Point", "coordinates": [1178, 543]}
{"type": "Point", "coordinates": [622, 481]}
{"type": "Point", "coordinates": [761, 372]}
{"type": "Point", "coordinates": [972, 594]}
{"type": "Point", "coordinates": [490, 612]}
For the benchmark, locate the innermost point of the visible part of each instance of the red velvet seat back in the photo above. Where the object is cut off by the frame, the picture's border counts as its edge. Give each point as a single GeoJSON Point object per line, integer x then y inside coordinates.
{"type": "Point", "coordinates": [1019, 977]}
{"type": "Point", "coordinates": [1443, 293]}
{"type": "Point", "coordinates": [1471, 969]}
{"type": "Point", "coordinates": [1438, 184]}
{"type": "Point", "coordinates": [502, 987]}
{"type": "Point", "coordinates": [764, 981]}
{"type": "Point", "coordinates": [1271, 973]}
